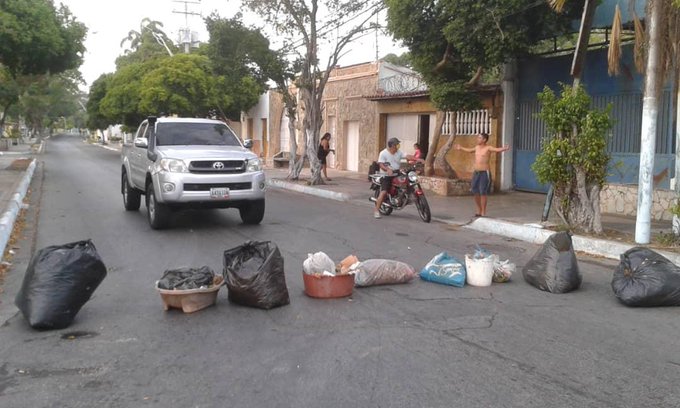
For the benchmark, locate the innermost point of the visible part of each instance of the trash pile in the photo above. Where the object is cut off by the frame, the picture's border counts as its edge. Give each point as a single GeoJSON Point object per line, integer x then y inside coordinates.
{"type": "Point", "coordinates": [60, 279]}
{"type": "Point", "coordinates": [325, 279]}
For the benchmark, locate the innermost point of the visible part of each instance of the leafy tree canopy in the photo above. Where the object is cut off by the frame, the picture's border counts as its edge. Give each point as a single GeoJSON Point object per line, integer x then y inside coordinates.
{"type": "Point", "coordinates": [450, 39]}
{"type": "Point", "coordinates": [36, 38]}
{"type": "Point", "coordinates": [148, 43]}
{"type": "Point", "coordinates": [98, 89]}
{"type": "Point", "coordinates": [403, 60]}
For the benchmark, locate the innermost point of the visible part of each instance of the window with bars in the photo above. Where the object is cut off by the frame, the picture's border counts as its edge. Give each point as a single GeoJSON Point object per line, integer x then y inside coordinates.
{"type": "Point", "coordinates": [468, 122]}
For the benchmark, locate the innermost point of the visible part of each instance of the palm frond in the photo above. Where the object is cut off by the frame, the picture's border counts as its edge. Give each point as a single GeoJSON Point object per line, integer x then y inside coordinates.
{"type": "Point", "coordinates": [614, 53]}
{"type": "Point", "coordinates": [639, 46]}
{"type": "Point", "coordinates": [557, 5]}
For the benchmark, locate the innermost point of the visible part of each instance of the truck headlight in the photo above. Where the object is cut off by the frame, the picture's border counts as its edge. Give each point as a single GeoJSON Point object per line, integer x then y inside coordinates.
{"type": "Point", "coordinates": [254, 165]}
{"type": "Point", "coordinates": [172, 166]}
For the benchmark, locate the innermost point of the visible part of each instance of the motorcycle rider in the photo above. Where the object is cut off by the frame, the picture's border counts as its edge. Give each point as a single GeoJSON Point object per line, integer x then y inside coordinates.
{"type": "Point", "coordinates": [389, 161]}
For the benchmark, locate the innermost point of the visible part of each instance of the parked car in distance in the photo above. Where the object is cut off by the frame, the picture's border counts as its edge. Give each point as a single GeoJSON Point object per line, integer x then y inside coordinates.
{"type": "Point", "coordinates": [187, 163]}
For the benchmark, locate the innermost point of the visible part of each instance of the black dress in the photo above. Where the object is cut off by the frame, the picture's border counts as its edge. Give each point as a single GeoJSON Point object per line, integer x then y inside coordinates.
{"type": "Point", "coordinates": [321, 154]}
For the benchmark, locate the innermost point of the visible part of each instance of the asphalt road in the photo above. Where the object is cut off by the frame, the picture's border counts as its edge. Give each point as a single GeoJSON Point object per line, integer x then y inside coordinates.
{"type": "Point", "coordinates": [413, 345]}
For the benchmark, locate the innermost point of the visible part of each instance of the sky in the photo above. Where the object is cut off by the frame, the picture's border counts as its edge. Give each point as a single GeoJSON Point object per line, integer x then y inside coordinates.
{"type": "Point", "coordinates": [109, 22]}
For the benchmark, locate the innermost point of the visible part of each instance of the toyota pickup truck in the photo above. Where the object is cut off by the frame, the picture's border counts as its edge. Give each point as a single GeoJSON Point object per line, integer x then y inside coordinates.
{"type": "Point", "coordinates": [186, 163]}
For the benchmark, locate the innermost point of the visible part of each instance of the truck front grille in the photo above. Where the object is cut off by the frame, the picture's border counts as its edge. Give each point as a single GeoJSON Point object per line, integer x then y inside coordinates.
{"type": "Point", "coordinates": [207, 187]}
{"type": "Point", "coordinates": [218, 166]}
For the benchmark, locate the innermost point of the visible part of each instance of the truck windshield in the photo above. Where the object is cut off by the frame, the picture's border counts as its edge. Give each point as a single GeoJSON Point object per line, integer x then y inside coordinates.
{"type": "Point", "coordinates": [173, 134]}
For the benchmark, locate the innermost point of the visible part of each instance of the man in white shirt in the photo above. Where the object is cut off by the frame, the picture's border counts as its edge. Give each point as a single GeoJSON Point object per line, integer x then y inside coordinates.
{"type": "Point", "coordinates": [389, 161]}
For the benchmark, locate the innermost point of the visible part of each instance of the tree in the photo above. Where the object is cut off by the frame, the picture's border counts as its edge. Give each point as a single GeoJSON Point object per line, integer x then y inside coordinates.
{"type": "Point", "coordinates": [251, 56]}
{"type": "Point", "coordinates": [403, 60]}
{"type": "Point", "coordinates": [98, 89]}
{"type": "Point", "coordinates": [574, 158]}
{"type": "Point", "coordinates": [37, 38]}
{"type": "Point", "coordinates": [48, 100]}
{"type": "Point", "coordinates": [9, 94]}
{"type": "Point", "coordinates": [310, 23]}
{"type": "Point", "coordinates": [147, 43]}
{"type": "Point", "coordinates": [453, 41]}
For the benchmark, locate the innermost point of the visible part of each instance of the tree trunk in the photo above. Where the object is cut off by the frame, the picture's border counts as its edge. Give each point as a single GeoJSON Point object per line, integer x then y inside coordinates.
{"type": "Point", "coordinates": [294, 165]}
{"type": "Point", "coordinates": [442, 168]}
{"type": "Point", "coordinates": [432, 151]}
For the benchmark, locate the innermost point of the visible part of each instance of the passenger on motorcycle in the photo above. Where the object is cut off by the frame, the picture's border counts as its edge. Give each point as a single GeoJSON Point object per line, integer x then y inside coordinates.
{"type": "Point", "coordinates": [389, 161]}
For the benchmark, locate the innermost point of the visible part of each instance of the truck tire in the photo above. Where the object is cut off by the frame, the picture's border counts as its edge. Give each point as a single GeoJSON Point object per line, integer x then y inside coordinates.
{"type": "Point", "coordinates": [132, 198]}
{"type": "Point", "coordinates": [157, 213]}
{"type": "Point", "coordinates": [252, 213]}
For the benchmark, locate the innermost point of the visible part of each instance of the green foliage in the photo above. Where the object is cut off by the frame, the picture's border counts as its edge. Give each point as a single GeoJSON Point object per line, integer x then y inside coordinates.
{"type": "Point", "coordinates": [36, 38]}
{"type": "Point", "coordinates": [98, 90]}
{"type": "Point", "coordinates": [450, 39]}
{"type": "Point", "coordinates": [403, 60]}
{"type": "Point", "coordinates": [578, 139]}
{"type": "Point", "coordinates": [49, 99]}
{"type": "Point", "coordinates": [148, 43]}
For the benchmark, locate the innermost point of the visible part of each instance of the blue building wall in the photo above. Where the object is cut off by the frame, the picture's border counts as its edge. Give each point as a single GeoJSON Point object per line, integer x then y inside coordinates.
{"type": "Point", "coordinates": [623, 92]}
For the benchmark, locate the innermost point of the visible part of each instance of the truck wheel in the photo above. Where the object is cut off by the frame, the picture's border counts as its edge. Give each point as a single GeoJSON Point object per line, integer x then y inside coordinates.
{"type": "Point", "coordinates": [158, 213]}
{"type": "Point", "coordinates": [132, 198]}
{"type": "Point", "coordinates": [253, 212]}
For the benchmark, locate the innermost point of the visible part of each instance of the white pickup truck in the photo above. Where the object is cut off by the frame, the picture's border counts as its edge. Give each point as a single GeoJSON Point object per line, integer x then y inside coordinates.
{"type": "Point", "coordinates": [181, 163]}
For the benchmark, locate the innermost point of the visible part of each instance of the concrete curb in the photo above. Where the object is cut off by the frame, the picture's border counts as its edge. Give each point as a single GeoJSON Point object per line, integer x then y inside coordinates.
{"type": "Point", "coordinates": [332, 195]}
{"type": "Point", "coordinates": [9, 217]}
{"type": "Point", "coordinates": [528, 233]}
{"type": "Point", "coordinates": [535, 235]}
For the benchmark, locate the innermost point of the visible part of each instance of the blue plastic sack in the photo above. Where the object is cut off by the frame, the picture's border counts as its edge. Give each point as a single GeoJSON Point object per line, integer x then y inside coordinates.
{"type": "Point", "coordinates": [444, 269]}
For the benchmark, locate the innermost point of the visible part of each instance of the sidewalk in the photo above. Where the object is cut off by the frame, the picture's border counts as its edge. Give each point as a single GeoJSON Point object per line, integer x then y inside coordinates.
{"type": "Point", "coordinates": [16, 170]}
{"type": "Point", "coordinates": [511, 214]}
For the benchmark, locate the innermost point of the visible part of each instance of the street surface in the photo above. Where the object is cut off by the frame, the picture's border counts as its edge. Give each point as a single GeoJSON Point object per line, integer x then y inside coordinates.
{"type": "Point", "coordinates": [412, 345]}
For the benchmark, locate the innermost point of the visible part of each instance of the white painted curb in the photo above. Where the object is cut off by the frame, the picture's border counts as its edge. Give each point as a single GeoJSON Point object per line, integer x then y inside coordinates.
{"type": "Point", "coordinates": [333, 195]}
{"type": "Point", "coordinates": [592, 246]}
{"type": "Point", "coordinates": [9, 217]}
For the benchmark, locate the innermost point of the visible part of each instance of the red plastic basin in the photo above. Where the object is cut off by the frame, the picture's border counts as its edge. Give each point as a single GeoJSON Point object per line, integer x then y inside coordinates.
{"type": "Point", "coordinates": [325, 287]}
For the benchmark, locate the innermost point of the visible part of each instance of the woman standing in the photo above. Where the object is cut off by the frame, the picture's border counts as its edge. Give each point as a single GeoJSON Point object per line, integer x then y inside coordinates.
{"type": "Point", "coordinates": [324, 149]}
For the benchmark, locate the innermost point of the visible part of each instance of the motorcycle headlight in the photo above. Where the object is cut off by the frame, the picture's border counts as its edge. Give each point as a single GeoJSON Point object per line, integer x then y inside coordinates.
{"type": "Point", "coordinates": [412, 176]}
{"type": "Point", "coordinates": [254, 165]}
{"type": "Point", "coordinates": [172, 166]}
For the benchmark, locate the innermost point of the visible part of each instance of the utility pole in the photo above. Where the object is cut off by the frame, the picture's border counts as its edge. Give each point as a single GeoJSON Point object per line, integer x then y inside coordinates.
{"type": "Point", "coordinates": [185, 33]}
{"type": "Point", "coordinates": [650, 111]}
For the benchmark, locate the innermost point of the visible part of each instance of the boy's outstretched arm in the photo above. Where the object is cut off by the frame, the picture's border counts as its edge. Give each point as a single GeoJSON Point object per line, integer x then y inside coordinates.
{"type": "Point", "coordinates": [500, 149]}
{"type": "Point", "coordinates": [465, 149]}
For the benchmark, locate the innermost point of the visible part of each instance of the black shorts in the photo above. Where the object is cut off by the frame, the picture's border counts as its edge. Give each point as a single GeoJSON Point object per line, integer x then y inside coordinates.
{"type": "Point", "coordinates": [481, 182]}
{"type": "Point", "coordinates": [386, 182]}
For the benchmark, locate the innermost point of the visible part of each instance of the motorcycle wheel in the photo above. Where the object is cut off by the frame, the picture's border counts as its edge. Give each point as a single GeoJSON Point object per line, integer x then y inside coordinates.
{"type": "Point", "coordinates": [384, 210]}
{"type": "Point", "coordinates": [423, 208]}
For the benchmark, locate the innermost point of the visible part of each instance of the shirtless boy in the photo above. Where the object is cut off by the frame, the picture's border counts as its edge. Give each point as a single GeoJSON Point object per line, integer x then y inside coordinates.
{"type": "Point", "coordinates": [481, 178]}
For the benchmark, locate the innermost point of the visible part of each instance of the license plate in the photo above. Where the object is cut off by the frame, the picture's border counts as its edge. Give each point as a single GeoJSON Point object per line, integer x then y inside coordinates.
{"type": "Point", "coordinates": [219, 193]}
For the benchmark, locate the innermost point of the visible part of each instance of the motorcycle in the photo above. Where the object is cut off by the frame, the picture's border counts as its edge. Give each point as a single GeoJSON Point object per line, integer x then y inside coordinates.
{"type": "Point", "coordinates": [403, 191]}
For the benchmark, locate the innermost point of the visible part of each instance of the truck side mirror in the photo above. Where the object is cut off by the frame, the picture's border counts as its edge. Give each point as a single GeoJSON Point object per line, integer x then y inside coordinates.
{"type": "Point", "coordinates": [248, 143]}
{"type": "Point", "coordinates": [151, 150]}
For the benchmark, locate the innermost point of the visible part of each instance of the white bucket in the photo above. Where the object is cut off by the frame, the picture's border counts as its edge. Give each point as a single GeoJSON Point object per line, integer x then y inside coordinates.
{"type": "Point", "coordinates": [479, 271]}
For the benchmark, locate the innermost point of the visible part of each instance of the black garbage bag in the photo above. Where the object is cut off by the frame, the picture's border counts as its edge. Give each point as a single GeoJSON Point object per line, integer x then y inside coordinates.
{"type": "Point", "coordinates": [554, 267]}
{"type": "Point", "coordinates": [646, 278]}
{"type": "Point", "coordinates": [59, 280]}
{"type": "Point", "coordinates": [187, 278]}
{"type": "Point", "coordinates": [254, 275]}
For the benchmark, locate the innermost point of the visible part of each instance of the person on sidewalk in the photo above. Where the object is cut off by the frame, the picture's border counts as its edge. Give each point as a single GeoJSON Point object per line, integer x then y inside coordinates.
{"type": "Point", "coordinates": [389, 161]}
{"type": "Point", "coordinates": [324, 149]}
{"type": "Point", "coordinates": [481, 177]}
